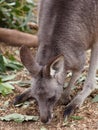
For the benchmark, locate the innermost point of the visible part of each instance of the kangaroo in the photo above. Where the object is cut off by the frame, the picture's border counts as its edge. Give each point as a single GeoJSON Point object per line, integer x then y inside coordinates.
{"type": "Point", "coordinates": [67, 28]}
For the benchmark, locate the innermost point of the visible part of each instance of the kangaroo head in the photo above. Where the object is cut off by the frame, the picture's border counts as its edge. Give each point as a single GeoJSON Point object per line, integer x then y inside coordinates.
{"type": "Point", "coordinates": [47, 81]}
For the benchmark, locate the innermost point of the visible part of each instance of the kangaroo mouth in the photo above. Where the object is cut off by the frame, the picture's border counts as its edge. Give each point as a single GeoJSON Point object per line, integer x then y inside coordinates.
{"type": "Point", "coordinates": [47, 120]}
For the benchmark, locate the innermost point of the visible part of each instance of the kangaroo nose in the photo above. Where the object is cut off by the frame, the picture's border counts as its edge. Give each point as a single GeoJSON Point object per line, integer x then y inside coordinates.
{"type": "Point", "coordinates": [44, 120]}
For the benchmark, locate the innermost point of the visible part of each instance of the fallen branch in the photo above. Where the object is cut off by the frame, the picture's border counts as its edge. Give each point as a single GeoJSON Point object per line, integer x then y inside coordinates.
{"type": "Point", "coordinates": [16, 38]}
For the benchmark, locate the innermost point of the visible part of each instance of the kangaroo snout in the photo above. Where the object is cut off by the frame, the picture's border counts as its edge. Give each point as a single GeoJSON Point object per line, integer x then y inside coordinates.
{"type": "Point", "coordinates": [46, 118]}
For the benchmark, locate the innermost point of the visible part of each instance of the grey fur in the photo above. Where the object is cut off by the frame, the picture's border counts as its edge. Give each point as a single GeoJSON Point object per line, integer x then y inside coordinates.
{"type": "Point", "coordinates": [67, 28]}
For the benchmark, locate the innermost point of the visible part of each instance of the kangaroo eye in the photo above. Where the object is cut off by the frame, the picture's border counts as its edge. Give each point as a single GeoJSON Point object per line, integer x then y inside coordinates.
{"type": "Point", "coordinates": [52, 99]}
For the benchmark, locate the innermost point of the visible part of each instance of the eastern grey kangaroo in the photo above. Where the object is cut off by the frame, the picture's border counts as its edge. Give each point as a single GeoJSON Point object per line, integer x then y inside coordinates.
{"type": "Point", "coordinates": [67, 28]}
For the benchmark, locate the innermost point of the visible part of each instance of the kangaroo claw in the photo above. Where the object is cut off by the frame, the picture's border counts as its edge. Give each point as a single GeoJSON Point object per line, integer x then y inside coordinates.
{"type": "Point", "coordinates": [70, 109]}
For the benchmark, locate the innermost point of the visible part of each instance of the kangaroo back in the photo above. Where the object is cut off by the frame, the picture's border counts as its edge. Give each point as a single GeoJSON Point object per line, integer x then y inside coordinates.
{"type": "Point", "coordinates": [65, 25]}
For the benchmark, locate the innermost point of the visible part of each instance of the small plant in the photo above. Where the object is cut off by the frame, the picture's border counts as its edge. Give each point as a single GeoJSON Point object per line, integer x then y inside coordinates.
{"type": "Point", "coordinates": [16, 14]}
{"type": "Point", "coordinates": [6, 87]}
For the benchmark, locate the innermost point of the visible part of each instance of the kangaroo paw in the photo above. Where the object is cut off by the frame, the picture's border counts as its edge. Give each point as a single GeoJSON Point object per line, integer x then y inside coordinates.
{"type": "Point", "coordinates": [18, 99]}
{"type": "Point", "coordinates": [69, 110]}
{"type": "Point", "coordinates": [72, 107]}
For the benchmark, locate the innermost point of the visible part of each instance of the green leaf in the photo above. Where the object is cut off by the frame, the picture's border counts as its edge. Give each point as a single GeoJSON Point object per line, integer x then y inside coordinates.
{"type": "Point", "coordinates": [14, 82]}
{"type": "Point", "coordinates": [28, 18]}
{"type": "Point", "coordinates": [18, 117]}
{"type": "Point", "coordinates": [81, 79]}
{"type": "Point", "coordinates": [65, 85]}
{"type": "Point", "coordinates": [33, 118]}
{"type": "Point", "coordinates": [14, 12]}
{"type": "Point", "coordinates": [6, 88]}
{"type": "Point", "coordinates": [18, 4]}
{"type": "Point", "coordinates": [2, 65]}
{"type": "Point", "coordinates": [24, 83]}
{"type": "Point", "coordinates": [95, 99]}
{"type": "Point", "coordinates": [11, 4]}
{"type": "Point", "coordinates": [43, 128]}
{"type": "Point", "coordinates": [77, 117]}
{"type": "Point", "coordinates": [15, 117]}
{"type": "Point", "coordinates": [9, 86]}
{"type": "Point", "coordinates": [24, 105]}
{"type": "Point", "coordinates": [0, 80]}
{"type": "Point", "coordinates": [10, 56]}
{"type": "Point", "coordinates": [7, 77]}
{"type": "Point", "coordinates": [65, 122]}
{"type": "Point", "coordinates": [2, 1]}
{"type": "Point", "coordinates": [14, 65]}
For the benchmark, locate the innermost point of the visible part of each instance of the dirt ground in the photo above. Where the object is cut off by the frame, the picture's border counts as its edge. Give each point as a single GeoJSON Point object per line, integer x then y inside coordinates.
{"type": "Point", "coordinates": [88, 112]}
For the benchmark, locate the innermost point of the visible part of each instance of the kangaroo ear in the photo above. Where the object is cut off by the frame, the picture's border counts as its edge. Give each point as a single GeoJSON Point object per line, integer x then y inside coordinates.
{"type": "Point", "coordinates": [55, 67]}
{"type": "Point", "coordinates": [28, 61]}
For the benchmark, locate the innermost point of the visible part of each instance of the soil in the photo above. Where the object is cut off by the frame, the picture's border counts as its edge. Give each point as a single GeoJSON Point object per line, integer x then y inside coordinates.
{"type": "Point", "coordinates": [88, 113]}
